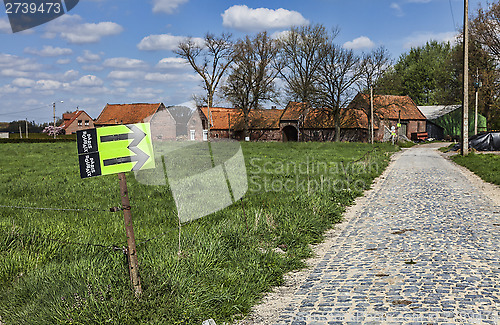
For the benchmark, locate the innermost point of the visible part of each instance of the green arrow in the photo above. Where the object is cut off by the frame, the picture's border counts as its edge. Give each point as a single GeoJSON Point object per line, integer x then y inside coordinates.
{"type": "Point", "coordinates": [140, 156]}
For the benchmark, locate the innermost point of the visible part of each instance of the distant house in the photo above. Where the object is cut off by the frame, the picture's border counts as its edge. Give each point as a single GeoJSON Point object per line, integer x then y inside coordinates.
{"type": "Point", "coordinates": [445, 121]}
{"type": "Point", "coordinates": [388, 111]}
{"type": "Point", "coordinates": [78, 120]}
{"type": "Point", "coordinates": [163, 125]}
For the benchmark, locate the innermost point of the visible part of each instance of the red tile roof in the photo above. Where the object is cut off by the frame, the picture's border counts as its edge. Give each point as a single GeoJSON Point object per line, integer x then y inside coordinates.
{"type": "Point", "coordinates": [69, 118]}
{"type": "Point", "coordinates": [232, 118]}
{"type": "Point", "coordinates": [127, 113]}
{"type": "Point", "coordinates": [318, 118]}
{"type": "Point", "coordinates": [384, 106]}
{"type": "Point", "coordinates": [294, 110]}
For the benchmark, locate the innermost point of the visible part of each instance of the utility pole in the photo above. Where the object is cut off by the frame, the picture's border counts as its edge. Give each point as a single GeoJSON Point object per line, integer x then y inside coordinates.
{"type": "Point", "coordinates": [54, 107]}
{"type": "Point", "coordinates": [477, 84]}
{"type": "Point", "coordinates": [371, 115]}
{"type": "Point", "coordinates": [26, 128]}
{"type": "Point", "coordinates": [465, 111]}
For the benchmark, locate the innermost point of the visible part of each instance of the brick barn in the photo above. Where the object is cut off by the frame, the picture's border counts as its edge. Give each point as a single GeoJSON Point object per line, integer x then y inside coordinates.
{"type": "Point", "coordinates": [388, 110]}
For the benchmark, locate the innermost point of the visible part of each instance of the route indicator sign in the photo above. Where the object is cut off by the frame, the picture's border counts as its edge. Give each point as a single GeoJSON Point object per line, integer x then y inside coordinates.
{"type": "Point", "coordinates": [114, 149]}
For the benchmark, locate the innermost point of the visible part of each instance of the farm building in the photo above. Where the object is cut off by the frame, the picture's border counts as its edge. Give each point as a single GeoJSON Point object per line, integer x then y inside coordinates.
{"type": "Point", "coordinates": [163, 125]}
{"type": "Point", "coordinates": [388, 111]}
{"type": "Point", "coordinates": [229, 123]}
{"type": "Point", "coordinates": [78, 120]}
{"type": "Point", "coordinates": [445, 121]}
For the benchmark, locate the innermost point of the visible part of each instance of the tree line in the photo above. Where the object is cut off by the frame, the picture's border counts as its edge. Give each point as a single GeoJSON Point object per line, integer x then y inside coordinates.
{"type": "Point", "coordinates": [306, 64]}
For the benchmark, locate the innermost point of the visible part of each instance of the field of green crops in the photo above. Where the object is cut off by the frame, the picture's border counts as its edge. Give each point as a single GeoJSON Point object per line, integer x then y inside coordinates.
{"type": "Point", "coordinates": [68, 267]}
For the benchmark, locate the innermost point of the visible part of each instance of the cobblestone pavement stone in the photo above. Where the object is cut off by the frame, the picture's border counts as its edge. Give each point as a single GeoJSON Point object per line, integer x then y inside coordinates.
{"type": "Point", "coordinates": [423, 250]}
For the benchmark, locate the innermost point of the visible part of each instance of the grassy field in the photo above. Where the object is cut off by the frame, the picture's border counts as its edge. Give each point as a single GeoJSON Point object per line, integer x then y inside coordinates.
{"type": "Point", "coordinates": [67, 267]}
{"type": "Point", "coordinates": [486, 166]}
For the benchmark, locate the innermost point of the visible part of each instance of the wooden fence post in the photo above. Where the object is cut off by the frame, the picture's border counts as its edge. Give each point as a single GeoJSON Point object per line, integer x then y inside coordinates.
{"type": "Point", "coordinates": [133, 264]}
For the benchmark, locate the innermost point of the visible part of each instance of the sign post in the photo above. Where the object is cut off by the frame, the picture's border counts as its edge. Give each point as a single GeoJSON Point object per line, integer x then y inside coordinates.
{"type": "Point", "coordinates": [108, 150]}
{"type": "Point", "coordinates": [133, 262]}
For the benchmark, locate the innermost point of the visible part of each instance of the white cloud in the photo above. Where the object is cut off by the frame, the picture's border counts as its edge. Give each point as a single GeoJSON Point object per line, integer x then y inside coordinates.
{"type": "Point", "coordinates": [359, 43]}
{"type": "Point", "coordinates": [49, 85]}
{"type": "Point", "coordinates": [144, 93]}
{"type": "Point", "coordinates": [397, 8]}
{"type": "Point", "coordinates": [23, 82]}
{"type": "Point", "coordinates": [120, 83]}
{"type": "Point", "coordinates": [280, 35]}
{"type": "Point", "coordinates": [88, 57]}
{"type": "Point", "coordinates": [14, 73]}
{"type": "Point", "coordinates": [247, 19]}
{"type": "Point", "coordinates": [172, 63]}
{"type": "Point", "coordinates": [63, 61]}
{"type": "Point", "coordinates": [92, 67]}
{"type": "Point", "coordinates": [70, 75]}
{"type": "Point", "coordinates": [164, 42]}
{"type": "Point", "coordinates": [48, 50]}
{"type": "Point", "coordinates": [116, 74]}
{"type": "Point", "coordinates": [88, 81]}
{"type": "Point", "coordinates": [5, 26]}
{"type": "Point", "coordinates": [125, 63]}
{"type": "Point", "coordinates": [71, 29]}
{"type": "Point", "coordinates": [420, 38]}
{"type": "Point", "coordinates": [13, 63]}
{"type": "Point", "coordinates": [166, 6]}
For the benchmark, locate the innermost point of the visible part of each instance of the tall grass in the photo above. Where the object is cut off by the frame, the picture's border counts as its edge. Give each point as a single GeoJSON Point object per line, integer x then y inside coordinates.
{"type": "Point", "coordinates": [67, 267]}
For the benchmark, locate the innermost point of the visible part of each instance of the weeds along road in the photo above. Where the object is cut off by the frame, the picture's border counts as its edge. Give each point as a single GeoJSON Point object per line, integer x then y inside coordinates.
{"type": "Point", "coordinates": [422, 247]}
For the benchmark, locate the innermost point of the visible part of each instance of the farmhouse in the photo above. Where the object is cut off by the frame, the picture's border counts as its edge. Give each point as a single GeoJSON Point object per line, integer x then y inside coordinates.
{"type": "Point", "coordinates": [78, 120]}
{"type": "Point", "coordinates": [163, 125]}
{"type": "Point", "coordinates": [388, 111]}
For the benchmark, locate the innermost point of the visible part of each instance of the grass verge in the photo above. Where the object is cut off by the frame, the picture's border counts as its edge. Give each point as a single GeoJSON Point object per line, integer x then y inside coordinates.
{"type": "Point", "coordinates": [486, 166]}
{"type": "Point", "coordinates": [67, 267]}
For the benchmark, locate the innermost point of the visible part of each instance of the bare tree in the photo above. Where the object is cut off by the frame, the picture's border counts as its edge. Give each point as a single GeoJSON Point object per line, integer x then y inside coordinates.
{"type": "Point", "coordinates": [338, 73]}
{"type": "Point", "coordinates": [373, 67]}
{"type": "Point", "coordinates": [252, 75]}
{"type": "Point", "coordinates": [301, 53]}
{"type": "Point", "coordinates": [210, 60]}
{"type": "Point", "coordinates": [486, 28]}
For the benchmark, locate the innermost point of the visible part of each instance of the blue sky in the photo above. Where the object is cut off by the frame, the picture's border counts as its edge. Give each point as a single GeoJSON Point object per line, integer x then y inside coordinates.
{"type": "Point", "coordinates": [108, 51]}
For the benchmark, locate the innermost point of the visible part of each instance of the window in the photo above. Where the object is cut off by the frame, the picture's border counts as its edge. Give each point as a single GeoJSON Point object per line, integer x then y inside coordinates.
{"type": "Point", "coordinates": [79, 122]}
{"type": "Point", "coordinates": [87, 122]}
{"type": "Point", "coordinates": [192, 133]}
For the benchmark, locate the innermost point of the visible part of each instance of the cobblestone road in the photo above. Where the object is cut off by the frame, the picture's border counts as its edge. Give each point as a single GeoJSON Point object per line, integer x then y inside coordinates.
{"type": "Point", "coordinates": [423, 250]}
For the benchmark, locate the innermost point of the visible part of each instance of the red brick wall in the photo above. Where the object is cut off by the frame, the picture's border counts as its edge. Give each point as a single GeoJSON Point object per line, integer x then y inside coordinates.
{"type": "Point", "coordinates": [73, 127]}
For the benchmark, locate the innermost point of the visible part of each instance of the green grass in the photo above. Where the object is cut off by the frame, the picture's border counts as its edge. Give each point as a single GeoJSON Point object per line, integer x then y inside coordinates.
{"type": "Point", "coordinates": [486, 166]}
{"type": "Point", "coordinates": [296, 192]}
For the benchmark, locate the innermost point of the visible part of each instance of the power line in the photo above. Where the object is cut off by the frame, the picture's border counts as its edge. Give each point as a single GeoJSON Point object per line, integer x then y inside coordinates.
{"type": "Point", "coordinates": [453, 16]}
{"type": "Point", "coordinates": [27, 110]}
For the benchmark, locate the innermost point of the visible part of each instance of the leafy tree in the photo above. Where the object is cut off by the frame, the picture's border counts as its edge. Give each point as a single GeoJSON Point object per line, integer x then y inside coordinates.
{"type": "Point", "coordinates": [252, 76]}
{"type": "Point", "coordinates": [424, 73]}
